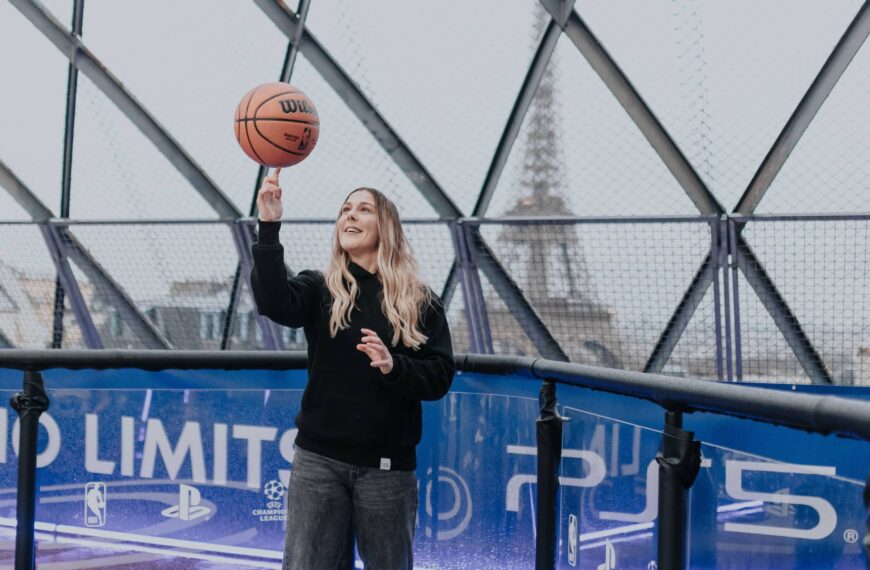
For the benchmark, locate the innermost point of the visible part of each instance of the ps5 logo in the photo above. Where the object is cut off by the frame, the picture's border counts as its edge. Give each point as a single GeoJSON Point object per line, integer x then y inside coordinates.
{"type": "Point", "coordinates": [95, 504]}
{"type": "Point", "coordinates": [188, 507]}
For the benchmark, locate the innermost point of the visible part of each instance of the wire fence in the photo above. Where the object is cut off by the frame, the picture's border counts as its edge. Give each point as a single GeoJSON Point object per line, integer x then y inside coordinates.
{"type": "Point", "coordinates": [602, 291]}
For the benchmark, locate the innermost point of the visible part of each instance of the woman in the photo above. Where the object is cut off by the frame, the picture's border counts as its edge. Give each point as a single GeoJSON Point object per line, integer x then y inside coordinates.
{"type": "Point", "coordinates": [378, 344]}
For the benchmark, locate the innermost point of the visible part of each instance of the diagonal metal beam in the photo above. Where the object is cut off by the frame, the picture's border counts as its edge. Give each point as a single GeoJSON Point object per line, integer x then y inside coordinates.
{"type": "Point", "coordinates": [5, 342]}
{"type": "Point", "coordinates": [359, 104]}
{"type": "Point", "coordinates": [515, 120]}
{"type": "Point", "coordinates": [22, 194]}
{"type": "Point", "coordinates": [449, 284]}
{"type": "Point", "coordinates": [138, 322]}
{"type": "Point", "coordinates": [785, 320]}
{"type": "Point", "coordinates": [560, 10]}
{"type": "Point", "coordinates": [813, 99]}
{"type": "Point", "coordinates": [524, 99]}
{"type": "Point", "coordinates": [68, 283]}
{"type": "Point", "coordinates": [640, 113]}
{"type": "Point", "coordinates": [513, 298]}
{"type": "Point", "coordinates": [72, 47]}
{"type": "Point", "coordinates": [71, 247]}
{"type": "Point", "coordinates": [680, 319]}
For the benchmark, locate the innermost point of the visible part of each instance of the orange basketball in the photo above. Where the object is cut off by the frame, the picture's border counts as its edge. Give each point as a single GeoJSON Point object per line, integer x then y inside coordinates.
{"type": "Point", "coordinates": [276, 124]}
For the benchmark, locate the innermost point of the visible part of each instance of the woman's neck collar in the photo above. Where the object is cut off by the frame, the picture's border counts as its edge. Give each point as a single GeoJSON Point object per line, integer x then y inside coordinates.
{"type": "Point", "coordinates": [367, 262]}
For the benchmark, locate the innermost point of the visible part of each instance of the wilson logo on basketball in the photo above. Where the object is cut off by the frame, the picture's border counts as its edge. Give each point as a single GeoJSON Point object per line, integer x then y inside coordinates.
{"type": "Point", "coordinates": [294, 106]}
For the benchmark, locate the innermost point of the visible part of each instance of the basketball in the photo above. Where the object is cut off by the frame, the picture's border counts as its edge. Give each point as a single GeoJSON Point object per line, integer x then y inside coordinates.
{"type": "Point", "coordinates": [276, 124]}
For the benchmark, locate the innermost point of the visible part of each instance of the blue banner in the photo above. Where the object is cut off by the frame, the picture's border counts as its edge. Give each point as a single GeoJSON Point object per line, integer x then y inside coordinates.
{"type": "Point", "coordinates": [196, 463]}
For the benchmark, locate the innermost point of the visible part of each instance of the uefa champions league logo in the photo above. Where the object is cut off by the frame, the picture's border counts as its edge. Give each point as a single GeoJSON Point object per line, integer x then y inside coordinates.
{"type": "Point", "coordinates": [274, 491]}
{"type": "Point", "coordinates": [275, 510]}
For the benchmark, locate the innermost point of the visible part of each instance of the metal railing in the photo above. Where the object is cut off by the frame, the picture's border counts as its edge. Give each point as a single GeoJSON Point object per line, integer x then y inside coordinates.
{"type": "Point", "coordinates": [678, 457]}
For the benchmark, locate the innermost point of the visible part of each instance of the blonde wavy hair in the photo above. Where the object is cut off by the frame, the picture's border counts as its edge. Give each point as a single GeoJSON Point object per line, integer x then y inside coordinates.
{"type": "Point", "coordinates": [404, 293]}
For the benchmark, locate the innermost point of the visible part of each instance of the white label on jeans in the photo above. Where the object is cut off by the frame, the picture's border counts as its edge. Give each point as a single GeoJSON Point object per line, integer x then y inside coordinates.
{"type": "Point", "coordinates": [385, 463]}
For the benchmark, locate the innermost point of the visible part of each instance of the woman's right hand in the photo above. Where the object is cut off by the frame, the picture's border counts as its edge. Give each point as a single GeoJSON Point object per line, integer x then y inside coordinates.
{"type": "Point", "coordinates": [269, 198]}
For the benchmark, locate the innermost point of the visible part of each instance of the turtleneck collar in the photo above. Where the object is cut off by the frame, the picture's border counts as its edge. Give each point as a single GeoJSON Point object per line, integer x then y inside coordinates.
{"type": "Point", "coordinates": [358, 271]}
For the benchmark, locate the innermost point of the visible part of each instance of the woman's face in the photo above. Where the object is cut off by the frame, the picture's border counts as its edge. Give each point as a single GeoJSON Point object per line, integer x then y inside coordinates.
{"type": "Point", "coordinates": [357, 224]}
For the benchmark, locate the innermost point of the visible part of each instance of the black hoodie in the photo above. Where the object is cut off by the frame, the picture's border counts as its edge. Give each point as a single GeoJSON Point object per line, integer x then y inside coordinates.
{"type": "Point", "coordinates": [350, 410]}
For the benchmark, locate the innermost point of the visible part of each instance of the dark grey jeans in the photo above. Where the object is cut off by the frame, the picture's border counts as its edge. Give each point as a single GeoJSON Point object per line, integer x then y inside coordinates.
{"type": "Point", "coordinates": [329, 502]}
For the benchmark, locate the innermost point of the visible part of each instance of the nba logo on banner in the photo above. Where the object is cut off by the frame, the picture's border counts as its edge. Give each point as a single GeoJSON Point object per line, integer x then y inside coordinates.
{"type": "Point", "coordinates": [572, 540]}
{"type": "Point", "coordinates": [95, 504]}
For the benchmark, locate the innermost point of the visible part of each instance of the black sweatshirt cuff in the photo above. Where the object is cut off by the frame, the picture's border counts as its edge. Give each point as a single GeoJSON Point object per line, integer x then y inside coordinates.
{"type": "Point", "coordinates": [391, 378]}
{"type": "Point", "coordinates": [268, 233]}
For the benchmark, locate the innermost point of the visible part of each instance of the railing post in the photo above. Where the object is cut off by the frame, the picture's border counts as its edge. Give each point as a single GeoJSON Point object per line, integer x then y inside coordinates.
{"type": "Point", "coordinates": [549, 439]}
{"type": "Point", "coordinates": [29, 406]}
{"type": "Point", "coordinates": [679, 459]}
{"type": "Point", "coordinates": [867, 523]}
{"type": "Point", "coordinates": [732, 246]}
{"type": "Point", "coordinates": [723, 235]}
{"type": "Point", "coordinates": [716, 262]}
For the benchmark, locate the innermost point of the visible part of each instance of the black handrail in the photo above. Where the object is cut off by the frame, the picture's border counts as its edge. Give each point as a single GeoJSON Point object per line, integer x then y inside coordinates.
{"type": "Point", "coordinates": [820, 414]}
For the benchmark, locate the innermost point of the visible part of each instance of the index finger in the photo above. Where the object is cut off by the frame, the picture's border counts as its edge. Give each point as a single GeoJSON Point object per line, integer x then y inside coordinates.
{"type": "Point", "coordinates": [276, 172]}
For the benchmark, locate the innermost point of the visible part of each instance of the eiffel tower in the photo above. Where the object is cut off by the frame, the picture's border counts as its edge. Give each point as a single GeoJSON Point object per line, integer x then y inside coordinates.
{"type": "Point", "coordinates": [547, 260]}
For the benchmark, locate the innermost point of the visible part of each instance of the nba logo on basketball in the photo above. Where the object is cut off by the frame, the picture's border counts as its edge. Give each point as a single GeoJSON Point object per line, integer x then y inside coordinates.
{"type": "Point", "coordinates": [306, 137]}
{"type": "Point", "coordinates": [95, 504]}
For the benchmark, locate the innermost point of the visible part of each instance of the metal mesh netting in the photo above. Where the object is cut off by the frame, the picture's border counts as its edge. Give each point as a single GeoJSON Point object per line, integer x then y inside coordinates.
{"type": "Point", "coordinates": [201, 82]}
{"type": "Point", "coordinates": [695, 354]}
{"type": "Point", "coordinates": [820, 268]}
{"type": "Point", "coordinates": [829, 169]}
{"type": "Point", "coordinates": [177, 278]}
{"type": "Point", "coordinates": [60, 9]}
{"type": "Point", "coordinates": [597, 160]}
{"type": "Point", "coordinates": [723, 78]}
{"type": "Point", "coordinates": [27, 291]}
{"type": "Point", "coordinates": [33, 96]}
{"type": "Point", "coordinates": [119, 174]}
{"type": "Point", "coordinates": [451, 115]}
{"type": "Point", "coordinates": [458, 322]}
{"type": "Point", "coordinates": [604, 290]}
{"type": "Point", "coordinates": [347, 157]}
{"type": "Point", "coordinates": [765, 354]}
{"type": "Point", "coordinates": [10, 211]}
{"type": "Point", "coordinates": [308, 245]}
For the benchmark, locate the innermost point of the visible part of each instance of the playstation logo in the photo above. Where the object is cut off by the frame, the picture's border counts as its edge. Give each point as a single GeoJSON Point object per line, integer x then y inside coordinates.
{"type": "Point", "coordinates": [95, 504]}
{"type": "Point", "coordinates": [188, 507]}
{"type": "Point", "coordinates": [609, 557]}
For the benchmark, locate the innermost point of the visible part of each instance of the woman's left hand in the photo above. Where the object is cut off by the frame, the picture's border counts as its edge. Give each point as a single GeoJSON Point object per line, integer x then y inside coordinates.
{"type": "Point", "coordinates": [377, 351]}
